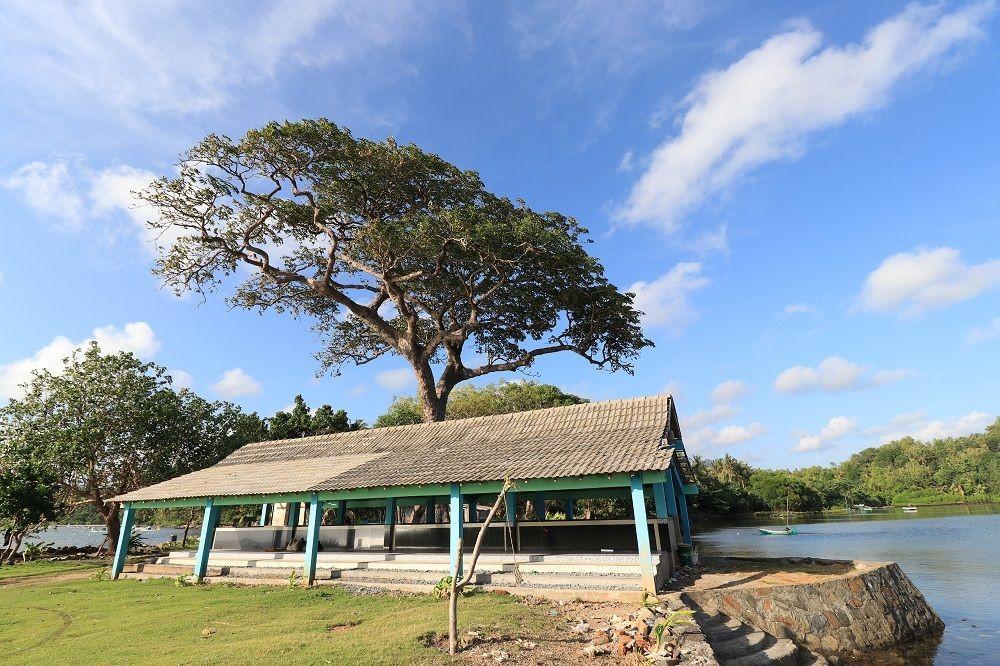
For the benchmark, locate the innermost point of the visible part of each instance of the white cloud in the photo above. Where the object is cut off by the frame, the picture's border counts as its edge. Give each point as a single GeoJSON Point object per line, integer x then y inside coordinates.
{"type": "Point", "coordinates": [715, 438]}
{"type": "Point", "coordinates": [798, 308]}
{"type": "Point", "coordinates": [588, 38]}
{"type": "Point", "coordinates": [665, 301]}
{"type": "Point", "coordinates": [627, 162]}
{"type": "Point", "coordinates": [357, 390]}
{"type": "Point", "coordinates": [673, 388]}
{"type": "Point", "coordinates": [729, 390]}
{"type": "Point", "coordinates": [836, 428]}
{"type": "Point", "coordinates": [50, 189]}
{"type": "Point", "coordinates": [76, 197]}
{"type": "Point", "coordinates": [834, 374]}
{"type": "Point", "coordinates": [135, 337]}
{"type": "Point", "coordinates": [910, 283]}
{"type": "Point", "coordinates": [188, 57]}
{"type": "Point", "coordinates": [918, 426]}
{"type": "Point", "coordinates": [713, 414]}
{"type": "Point", "coordinates": [235, 383]}
{"type": "Point", "coordinates": [182, 379]}
{"type": "Point", "coordinates": [765, 106]}
{"type": "Point", "coordinates": [394, 380]}
{"type": "Point", "coordinates": [990, 331]}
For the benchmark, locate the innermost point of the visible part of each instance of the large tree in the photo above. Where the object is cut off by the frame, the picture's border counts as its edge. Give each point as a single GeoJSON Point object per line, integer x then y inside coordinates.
{"type": "Point", "coordinates": [391, 250]}
{"type": "Point", "coordinates": [108, 424]}
{"type": "Point", "coordinates": [29, 498]}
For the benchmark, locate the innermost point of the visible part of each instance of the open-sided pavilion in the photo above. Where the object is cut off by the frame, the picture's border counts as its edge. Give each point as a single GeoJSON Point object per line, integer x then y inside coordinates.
{"type": "Point", "coordinates": [432, 483]}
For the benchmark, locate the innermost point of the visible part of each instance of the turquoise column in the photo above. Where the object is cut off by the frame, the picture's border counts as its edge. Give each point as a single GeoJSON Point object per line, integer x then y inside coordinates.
{"type": "Point", "coordinates": [642, 534]}
{"type": "Point", "coordinates": [430, 509]}
{"type": "Point", "coordinates": [315, 518]}
{"type": "Point", "coordinates": [682, 509]}
{"type": "Point", "coordinates": [668, 489]}
{"type": "Point", "coordinates": [292, 515]}
{"type": "Point", "coordinates": [124, 536]}
{"type": "Point", "coordinates": [510, 509]}
{"type": "Point", "coordinates": [660, 501]}
{"type": "Point", "coordinates": [390, 522]}
{"type": "Point", "coordinates": [455, 514]}
{"type": "Point", "coordinates": [539, 506]}
{"type": "Point", "coordinates": [569, 507]}
{"type": "Point", "coordinates": [263, 514]}
{"type": "Point", "coordinates": [342, 512]}
{"type": "Point", "coordinates": [208, 524]}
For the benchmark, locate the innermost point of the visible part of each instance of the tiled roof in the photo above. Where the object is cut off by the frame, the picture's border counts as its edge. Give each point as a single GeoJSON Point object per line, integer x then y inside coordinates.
{"type": "Point", "coordinates": [592, 438]}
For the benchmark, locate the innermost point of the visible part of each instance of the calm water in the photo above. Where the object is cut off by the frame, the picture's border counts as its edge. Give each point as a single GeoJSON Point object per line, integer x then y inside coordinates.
{"type": "Point", "coordinates": [81, 535]}
{"type": "Point", "coordinates": [951, 553]}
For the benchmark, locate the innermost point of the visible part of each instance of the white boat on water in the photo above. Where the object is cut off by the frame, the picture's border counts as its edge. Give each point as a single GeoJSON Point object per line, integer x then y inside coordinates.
{"type": "Point", "coordinates": [909, 509]}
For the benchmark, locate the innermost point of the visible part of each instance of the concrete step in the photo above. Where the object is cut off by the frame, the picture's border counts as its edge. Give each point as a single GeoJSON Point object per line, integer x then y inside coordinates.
{"type": "Point", "coordinates": [783, 653]}
{"type": "Point", "coordinates": [755, 641]}
{"type": "Point", "coordinates": [725, 631]}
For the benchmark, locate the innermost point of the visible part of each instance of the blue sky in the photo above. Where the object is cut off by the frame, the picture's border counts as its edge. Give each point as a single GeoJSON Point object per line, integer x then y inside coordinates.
{"type": "Point", "coordinates": [805, 197]}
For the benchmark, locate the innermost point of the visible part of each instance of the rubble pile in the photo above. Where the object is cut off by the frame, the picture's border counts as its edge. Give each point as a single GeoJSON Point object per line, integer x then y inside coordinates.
{"type": "Point", "coordinates": [662, 632]}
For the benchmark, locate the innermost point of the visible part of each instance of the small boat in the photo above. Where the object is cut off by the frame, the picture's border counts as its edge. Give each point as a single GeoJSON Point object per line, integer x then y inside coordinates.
{"type": "Point", "coordinates": [909, 509]}
{"type": "Point", "coordinates": [777, 531]}
{"type": "Point", "coordinates": [787, 530]}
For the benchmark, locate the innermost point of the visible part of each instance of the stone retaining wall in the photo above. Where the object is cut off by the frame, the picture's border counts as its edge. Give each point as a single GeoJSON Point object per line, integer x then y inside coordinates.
{"type": "Point", "coordinates": [874, 607]}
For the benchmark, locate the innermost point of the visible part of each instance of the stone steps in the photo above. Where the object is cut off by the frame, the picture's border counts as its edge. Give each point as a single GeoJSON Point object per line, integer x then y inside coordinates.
{"type": "Point", "coordinates": [755, 641]}
{"type": "Point", "coordinates": [738, 644]}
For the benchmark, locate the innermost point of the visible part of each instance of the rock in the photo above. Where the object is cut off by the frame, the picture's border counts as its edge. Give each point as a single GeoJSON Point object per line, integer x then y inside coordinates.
{"type": "Point", "coordinates": [500, 656]}
{"type": "Point", "coordinates": [600, 638]}
{"type": "Point", "coordinates": [296, 545]}
{"type": "Point", "coordinates": [527, 645]}
{"type": "Point", "coordinates": [595, 650]}
{"type": "Point", "coordinates": [582, 627]}
{"type": "Point", "coordinates": [645, 614]}
{"type": "Point", "coordinates": [208, 633]}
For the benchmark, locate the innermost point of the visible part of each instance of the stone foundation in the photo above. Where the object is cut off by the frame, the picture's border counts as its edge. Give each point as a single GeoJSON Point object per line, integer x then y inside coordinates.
{"type": "Point", "coordinates": [873, 607]}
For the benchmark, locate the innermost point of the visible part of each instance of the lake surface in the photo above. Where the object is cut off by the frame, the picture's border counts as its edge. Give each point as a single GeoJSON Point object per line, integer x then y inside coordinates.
{"type": "Point", "coordinates": [83, 535]}
{"type": "Point", "coordinates": [952, 554]}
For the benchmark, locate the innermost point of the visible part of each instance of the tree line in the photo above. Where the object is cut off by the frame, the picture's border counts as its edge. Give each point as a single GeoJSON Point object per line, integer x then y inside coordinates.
{"type": "Point", "coordinates": [948, 470]}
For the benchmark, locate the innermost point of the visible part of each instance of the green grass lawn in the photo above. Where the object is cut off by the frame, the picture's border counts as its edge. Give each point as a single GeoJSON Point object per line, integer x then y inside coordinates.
{"type": "Point", "coordinates": [41, 568]}
{"type": "Point", "coordinates": [93, 621]}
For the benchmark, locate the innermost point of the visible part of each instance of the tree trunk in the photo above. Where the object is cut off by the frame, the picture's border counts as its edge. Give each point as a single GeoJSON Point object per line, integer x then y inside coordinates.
{"type": "Point", "coordinates": [433, 397]}
{"type": "Point", "coordinates": [187, 528]}
{"type": "Point", "coordinates": [114, 524]}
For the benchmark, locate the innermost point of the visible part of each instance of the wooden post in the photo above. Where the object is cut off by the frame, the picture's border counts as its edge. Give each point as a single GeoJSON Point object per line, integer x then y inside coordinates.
{"type": "Point", "coordinates": [342, 512]}
{"type": "Point", "coordinates": [642, 534]}
{"type": "Point", "coordinates": [457, 526]}
{"type": "Point", "coordinates": [390, 522]}
{"type": "Point", "coordinates": [124, 535]}
{"type": "Point", "coordinates": [312, 537]}
{"type": "Point", "coordinates": [208, 524]}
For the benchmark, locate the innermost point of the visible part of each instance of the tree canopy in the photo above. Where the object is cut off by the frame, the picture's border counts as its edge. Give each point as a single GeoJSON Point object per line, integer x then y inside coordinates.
{"type": "Point", "coordinates": [301, 421]}
{"type": "Point", "coordinates": [904, 471]}
{"type": "Point", "coordinates": [108, 424]}
{"type": "Point", "coordinates": [468, 401]}
{"type": "Point", "coordinates": [389, 250]}
{"type": "Point", "coordinates": [29, 497]}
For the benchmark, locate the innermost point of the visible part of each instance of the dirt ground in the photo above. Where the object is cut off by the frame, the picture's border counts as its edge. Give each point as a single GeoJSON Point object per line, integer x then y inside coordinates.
{"type": "Point", "coordinates": [562, 646]}
{"type": "Point", "coordinates": [715, 573]}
